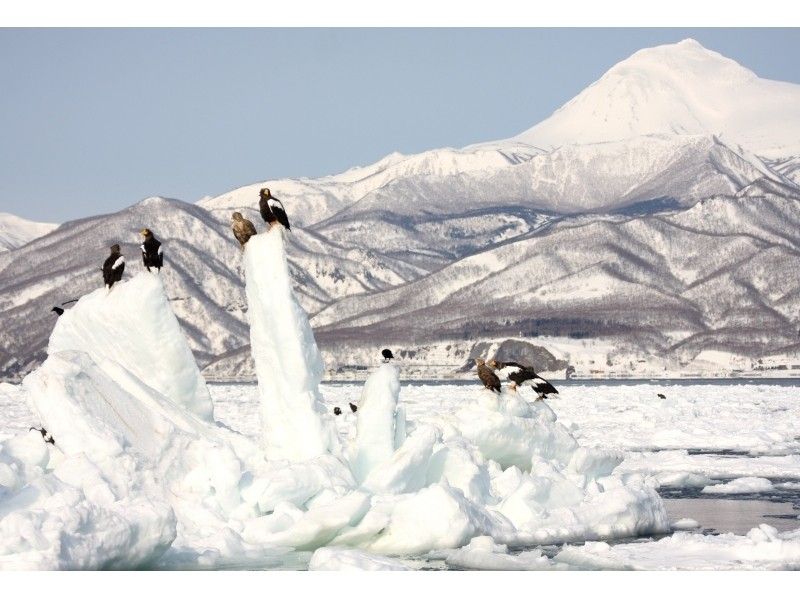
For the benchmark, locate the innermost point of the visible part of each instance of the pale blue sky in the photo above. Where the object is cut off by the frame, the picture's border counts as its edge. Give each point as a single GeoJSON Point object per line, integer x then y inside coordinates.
{"type": "Point", "coordinates": [94, 120]}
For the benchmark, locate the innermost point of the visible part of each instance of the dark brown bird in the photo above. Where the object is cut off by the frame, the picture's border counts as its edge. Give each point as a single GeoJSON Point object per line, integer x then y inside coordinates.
{"type": "Point", "coordinates": [487, 376]}
{"type": "Point", "coordinates": [337, 411]}
{"type": "Point", "coordinates": [242, 228]}
{"type": "Point", "coordinates": [353, 407]}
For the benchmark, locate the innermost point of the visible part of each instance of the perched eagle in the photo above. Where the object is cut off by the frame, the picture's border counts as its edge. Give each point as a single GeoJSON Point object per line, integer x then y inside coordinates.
{"type": "Point", "coordinates": [387, 355]}
{"type": "Point", "coordinates": [113, 267]}
{"type": "Point", "coordinates": [272, 209]}
{"type": "Point", "coordinates": [519, 374]}
{"type": "Point", "coordinates": [487, 376]}
{"type": "Point", "coordinates": [242, 228]}
{"type": "Point", "coordinates": [152, 253]}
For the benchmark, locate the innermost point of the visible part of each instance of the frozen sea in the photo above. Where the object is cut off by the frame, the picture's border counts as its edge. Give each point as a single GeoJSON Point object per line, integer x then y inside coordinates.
{"type": "Point", "coordinates": [724, 454]}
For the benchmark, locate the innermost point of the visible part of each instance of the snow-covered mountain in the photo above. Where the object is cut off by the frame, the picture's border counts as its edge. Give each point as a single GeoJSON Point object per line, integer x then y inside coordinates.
{"type": "Point", "coordinates": [678, 89]}
{"type": "Point", "coordinates": [317, 199]}
{"type": "Point", "coordinates": [654, 214]}
{"type": "Point", "coordinates": [16, 231]}
{"type": "Point", "coordinates": [719, 274]}
{"type": "Point", "coordinates": [203, 275]}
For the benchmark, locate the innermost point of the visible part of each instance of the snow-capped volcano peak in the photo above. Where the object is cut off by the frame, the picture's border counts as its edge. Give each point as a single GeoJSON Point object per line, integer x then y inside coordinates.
{"type": "Point", "coordinates": [681, 88]}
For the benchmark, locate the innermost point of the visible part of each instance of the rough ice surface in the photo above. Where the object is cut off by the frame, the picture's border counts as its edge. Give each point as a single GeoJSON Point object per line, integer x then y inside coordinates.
{"type": "Point", "coordinates": [484, 553]}
{"type": "Point", "coordinates": [378, 434]}
{"type": "Point", "coordinates": [352, 559]}
{"type": "Point", "coordinates": [134, 327]}
{"type": "Point", "coordinates": [288, 364]}
{"type": "Point", "coordinates": [762, 548]}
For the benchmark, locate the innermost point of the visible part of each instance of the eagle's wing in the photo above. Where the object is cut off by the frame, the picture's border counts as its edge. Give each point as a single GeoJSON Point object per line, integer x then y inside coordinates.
{"type": "Point", "coordinates": [518, 373]}
{"type": "Point", "coordinates": [542, 386]}
{"type": "Point", "coordinates": [279, 212]}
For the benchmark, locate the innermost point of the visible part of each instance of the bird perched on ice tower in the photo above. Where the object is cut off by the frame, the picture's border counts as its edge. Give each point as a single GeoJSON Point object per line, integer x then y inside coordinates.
{"type": "Point", "coordinates": [272, 210]}
{"type": "Point", "coordinates": [113, 267]}
{"type": "Point", "coordinates": [519, 375]}
{"type": "Point", "coordinates": [487, 376]}
{"type": "Point", "coordinates": [152, 252]}
{"type": "Point", "coordinates": [242, 228]}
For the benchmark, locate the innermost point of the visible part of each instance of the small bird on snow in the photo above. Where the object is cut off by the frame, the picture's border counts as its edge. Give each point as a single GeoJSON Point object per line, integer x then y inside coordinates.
{"type": "Point", "coordinates": [60, 310]}
{"type": "Point", "coordinates": [272, 210]}
{"type": "Point", "coordinates": [387, 355]}
{"type": "Point", "coordinates": [46, 436]}
{"type": "Point", "coordinates": [337, 411]}
{"type": "Point", "coordinates": [353, 407]}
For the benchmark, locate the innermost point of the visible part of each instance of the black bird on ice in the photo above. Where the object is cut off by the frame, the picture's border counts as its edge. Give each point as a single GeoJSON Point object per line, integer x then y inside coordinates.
{"type": "Point", "coordinates": [113, 267]}
{"type": "Point", "coordinates": [152, 252]}
{"type": "Point", "coordinates": [272, 209]}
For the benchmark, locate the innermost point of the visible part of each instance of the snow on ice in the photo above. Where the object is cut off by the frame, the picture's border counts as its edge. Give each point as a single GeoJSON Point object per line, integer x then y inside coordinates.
{"type": "Point", "coordinates": [762, 548]}
{"type": "Point", "coordinates": [139, 476]}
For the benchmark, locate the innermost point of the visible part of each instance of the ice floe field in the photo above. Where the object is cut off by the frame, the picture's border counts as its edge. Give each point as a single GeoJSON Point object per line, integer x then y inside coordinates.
{"type": "Point", "coordinates": [724, 456]}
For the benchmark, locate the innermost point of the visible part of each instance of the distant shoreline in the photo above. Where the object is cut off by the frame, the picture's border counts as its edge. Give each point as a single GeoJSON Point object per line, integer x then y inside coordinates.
{"type": "Point", "coordinates": [709, 381]}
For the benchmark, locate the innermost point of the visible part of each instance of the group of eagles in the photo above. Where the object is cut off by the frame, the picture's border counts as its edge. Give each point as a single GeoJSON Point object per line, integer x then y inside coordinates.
{"type": "Point", "coordinates": [516, 374]}
{"type": "Point", "coordinates": [271, 210]}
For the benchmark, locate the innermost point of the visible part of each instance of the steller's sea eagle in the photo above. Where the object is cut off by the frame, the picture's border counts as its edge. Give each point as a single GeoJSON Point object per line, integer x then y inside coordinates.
{"type": "Point", "coordinates": [152, 252]}
{"type": "Point", "coordinates": [113, 267]}
{"type": "Point", "coordinates": [519, 374]}
{"type": "Point", "coordinates": [272, 210]}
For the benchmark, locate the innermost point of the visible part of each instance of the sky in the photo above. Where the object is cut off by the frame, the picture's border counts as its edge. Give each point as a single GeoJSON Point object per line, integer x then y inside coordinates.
{"type": "Point", "coordinates": [94, 120]}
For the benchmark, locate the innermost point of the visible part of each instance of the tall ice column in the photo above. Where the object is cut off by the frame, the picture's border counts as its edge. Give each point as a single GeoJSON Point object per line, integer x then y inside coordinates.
{"type": "Point", "coordinates": [289, 366]}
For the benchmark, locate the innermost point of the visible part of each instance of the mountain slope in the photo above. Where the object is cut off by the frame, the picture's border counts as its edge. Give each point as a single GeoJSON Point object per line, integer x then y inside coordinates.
{"type": "Point", "coordinates": [202, 275]}
{"type": "Point", "coordinates": [314, 200]}
{"type": "Point", "coordinates": [719, 275]}
{"type": "Point", "coordinates": [16, 231]}
{"type": "Point", "coordinates": [680, 89]}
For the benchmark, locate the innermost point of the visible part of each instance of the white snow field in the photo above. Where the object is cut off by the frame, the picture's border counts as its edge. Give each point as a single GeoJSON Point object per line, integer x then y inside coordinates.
{"type": "Point", "coordinates": [137, 479]}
